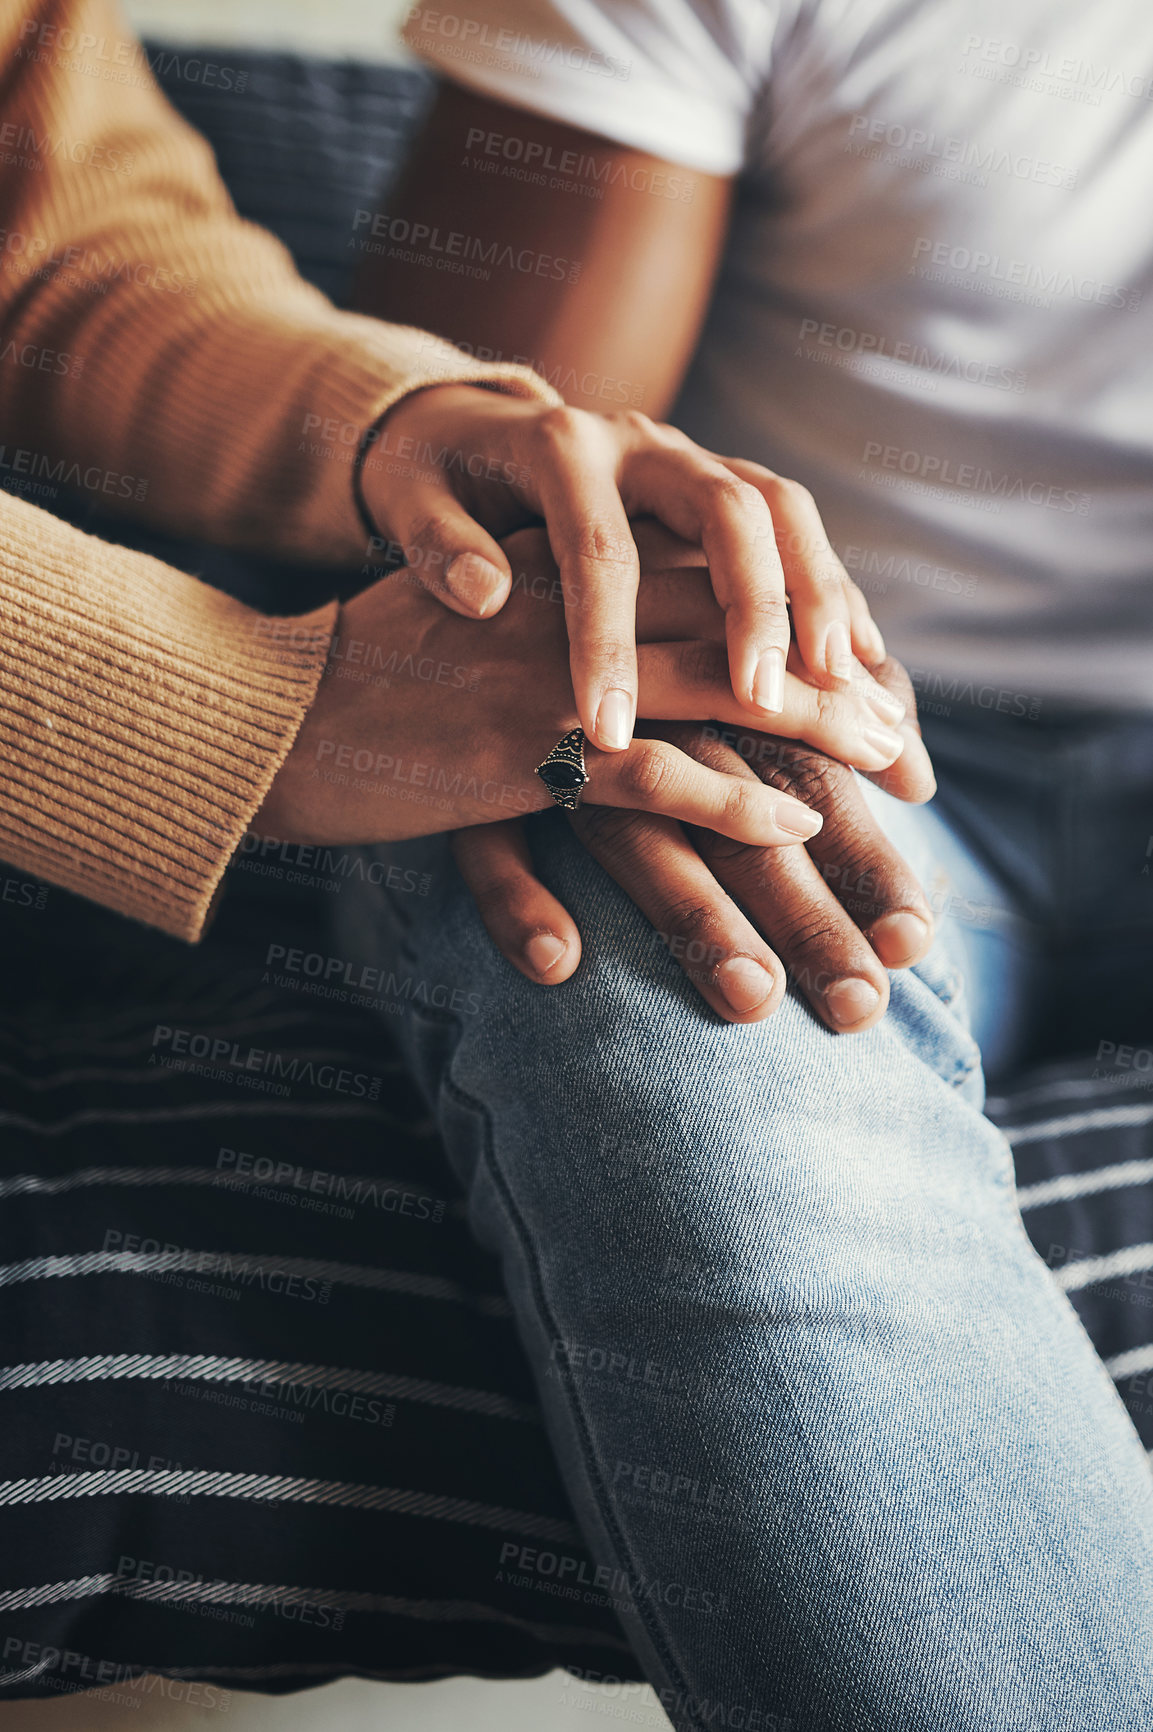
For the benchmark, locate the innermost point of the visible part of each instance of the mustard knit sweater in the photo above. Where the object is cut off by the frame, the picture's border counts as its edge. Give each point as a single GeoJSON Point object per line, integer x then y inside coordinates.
{"type": "Point", "coordinates": [164, 355]}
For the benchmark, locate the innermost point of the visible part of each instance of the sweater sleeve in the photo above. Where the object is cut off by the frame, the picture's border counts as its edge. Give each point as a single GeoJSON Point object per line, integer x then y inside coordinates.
{"type": "Point", "coordinates": [143, 717]}
{"type": "Point", "coordinates": [155, 348]}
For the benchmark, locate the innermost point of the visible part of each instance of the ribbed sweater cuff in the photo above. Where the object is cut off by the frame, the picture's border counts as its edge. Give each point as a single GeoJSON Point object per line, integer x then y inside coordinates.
{"type": "Point", "coordinates": [302, 384]}
{"type": "Point", "coordinates": [144, 720]}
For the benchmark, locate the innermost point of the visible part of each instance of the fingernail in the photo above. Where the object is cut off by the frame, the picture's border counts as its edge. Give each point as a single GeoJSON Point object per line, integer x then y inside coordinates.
{"type": "Point", "coordinates": [918, 751]}
{"type": "Point", "coordinates": [744, 983]}
{"type": "Point", "coordinates": [544, 952]}
{"type": "Point", "coordinates": [838, 651]}
{"type": "Point", "coordinates": [851, 1001]}
{"type": "Point", "coordinates": [873, 642]}
{"type": "Point", "coordinates": [797, 820]}
{"type": "Point", "coordinates": [475, 581]}
{"type": "Point", "coordinates": [769, 681]}
{"type": "Point", "coordinates": [887, 743]}
{"type": "Point", "coordinates": [904, 935]}
{"type": "Point", "coordinates": [615, 721]}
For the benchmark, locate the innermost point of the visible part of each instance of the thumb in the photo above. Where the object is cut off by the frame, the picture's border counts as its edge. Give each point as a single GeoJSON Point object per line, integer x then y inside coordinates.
{"type": "Point", "coordinates": [448, 551]}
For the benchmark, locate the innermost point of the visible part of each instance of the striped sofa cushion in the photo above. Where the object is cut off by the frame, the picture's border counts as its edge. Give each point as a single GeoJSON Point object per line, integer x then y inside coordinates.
{"type": "Point", "coordinates": [264, 1419]}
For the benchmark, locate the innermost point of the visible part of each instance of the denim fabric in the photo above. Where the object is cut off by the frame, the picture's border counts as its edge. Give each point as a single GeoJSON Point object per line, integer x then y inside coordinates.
{"type": "Point", "coordinates": [843, 1452]}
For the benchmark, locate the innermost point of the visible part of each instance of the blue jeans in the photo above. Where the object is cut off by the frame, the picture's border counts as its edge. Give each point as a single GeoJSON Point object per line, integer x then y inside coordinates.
{"type": "Point", "coordinates": [843, 1453]}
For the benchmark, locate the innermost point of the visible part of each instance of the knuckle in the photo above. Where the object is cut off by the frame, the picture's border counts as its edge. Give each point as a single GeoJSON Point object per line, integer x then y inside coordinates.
{"type": "Point", "coordinates": [726, 852]}
{"type": "Point", "coordinates": [608, 830]}
{"type": "Point", "coordinates": [702, 663]}
{"type": "Point", "coordinates": [827, 709]}
{"type": "Point", "coordinates": [612, 659]}
{"type": "Point", "coordinates": [768, 613]}
{"type": "Point", "coordinates": [690, 918]}
{"type": "Point", "coordinates": [640, 426]}
{"type": "Point", "coordinates": [707, 746]}
{"type": "Point", "coordinates": [892, 675]}
{"type": "Point", "coordinates": [810, 776]}
{"type": "Point", "coordinates": [429, 530]}
{"type": "Point", "coordinates": [731, 497]}
{"type": "Point", "coordinates": [792, 493]}
{"type": "Point", "coordinates": [563, 425]}
{"type": "Point", "coordinates": [602, 544]}
{"type": "Point", "coordinates": [737, 809]}
{"type": "Point", "coordinates": [812, 935]}
{"type": "Point", "coordinates": [647, 772]}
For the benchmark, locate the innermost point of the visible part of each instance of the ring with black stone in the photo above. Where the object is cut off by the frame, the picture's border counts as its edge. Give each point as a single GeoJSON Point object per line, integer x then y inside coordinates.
{"type": "Point", "coordinates": [563, 771]}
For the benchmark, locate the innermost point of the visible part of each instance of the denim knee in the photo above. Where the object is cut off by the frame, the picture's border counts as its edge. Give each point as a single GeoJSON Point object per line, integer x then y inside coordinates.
{"type": "Point", "coordinates": [630, 1100]}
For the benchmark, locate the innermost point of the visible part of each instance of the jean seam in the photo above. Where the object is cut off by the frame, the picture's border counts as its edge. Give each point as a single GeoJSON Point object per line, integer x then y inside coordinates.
{"type": "Point", "coordinates": [644, 1613]}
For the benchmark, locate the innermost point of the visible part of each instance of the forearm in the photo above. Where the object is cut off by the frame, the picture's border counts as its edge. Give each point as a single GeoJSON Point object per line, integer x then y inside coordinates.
{"type": "Point", "coordinates": [601, 281]}
{"type": "Point", "coordinates": [143, 717]}
{"type": "Point", "coordinates": [205, 385]}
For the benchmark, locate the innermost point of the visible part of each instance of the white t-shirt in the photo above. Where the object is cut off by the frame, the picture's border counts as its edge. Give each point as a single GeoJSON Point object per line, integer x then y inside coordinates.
{"type": "Point", "coordinates": [936, 303]}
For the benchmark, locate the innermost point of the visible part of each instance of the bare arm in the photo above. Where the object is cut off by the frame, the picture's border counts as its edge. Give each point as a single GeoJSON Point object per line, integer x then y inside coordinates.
{"type": "Point", "coordinates": [647, 245]}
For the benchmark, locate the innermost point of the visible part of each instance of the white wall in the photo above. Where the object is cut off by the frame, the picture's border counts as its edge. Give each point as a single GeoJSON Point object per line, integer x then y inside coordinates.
{"type": "Point", "coordinates": [362, 28]}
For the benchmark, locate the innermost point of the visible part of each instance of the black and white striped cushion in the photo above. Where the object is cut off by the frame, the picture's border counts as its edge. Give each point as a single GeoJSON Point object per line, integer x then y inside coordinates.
{"type": "Point", "coordinates": [264, 1419]}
